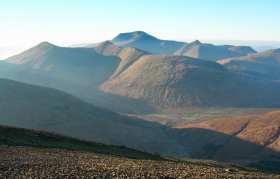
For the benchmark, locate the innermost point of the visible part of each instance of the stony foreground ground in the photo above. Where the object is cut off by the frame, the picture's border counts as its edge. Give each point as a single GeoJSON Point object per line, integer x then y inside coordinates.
{"type": "Point", "coordinates": [26, 162]}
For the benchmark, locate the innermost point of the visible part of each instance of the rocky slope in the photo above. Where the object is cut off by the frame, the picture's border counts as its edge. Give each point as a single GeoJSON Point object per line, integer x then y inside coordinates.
{"type": "Point", "coordinates": [29, 153]}
{"type": "Point", "coordinates": [48, 163]}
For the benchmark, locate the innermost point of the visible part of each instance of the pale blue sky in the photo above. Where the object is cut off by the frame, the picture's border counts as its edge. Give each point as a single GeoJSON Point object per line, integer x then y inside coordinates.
{"type": "Point", "coordinates": [64, 22]}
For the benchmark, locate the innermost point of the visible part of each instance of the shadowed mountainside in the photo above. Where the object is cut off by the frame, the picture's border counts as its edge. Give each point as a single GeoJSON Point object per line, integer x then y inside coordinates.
{"type": "Point", "coordinates": [44, 150]}
{"type": "Point", "coordinates": [262, 129]}
{"type": "Point", "coordinates": [47, 109]}
{"type": "Point", "coordinates": [12, 136]}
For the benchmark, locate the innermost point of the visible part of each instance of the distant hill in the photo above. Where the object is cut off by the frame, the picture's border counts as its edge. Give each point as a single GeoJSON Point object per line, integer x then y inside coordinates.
{"type": "Point", "coordinates": [263, 65]}
{"type": "Point", "coordinates": [146, 42]}
{"type": "Point", "coordinates": [80, 66]}
{"type": "Point", "coordinates": [211, 52]}
{"type": "Point", "coordinates": [174, 81]}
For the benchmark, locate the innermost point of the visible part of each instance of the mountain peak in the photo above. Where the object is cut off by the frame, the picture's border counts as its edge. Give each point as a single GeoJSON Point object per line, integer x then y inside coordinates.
{"type": "Point", "coordinates": [107, 48]}
{"type": "Point", "coordinates": [45, 44]}
{"type": "Point", "coordinates": [196, 42]}
{"type": "Point", "coordinates": [104, 44]}
{"type": "Point", "coordinates": [133, 35]}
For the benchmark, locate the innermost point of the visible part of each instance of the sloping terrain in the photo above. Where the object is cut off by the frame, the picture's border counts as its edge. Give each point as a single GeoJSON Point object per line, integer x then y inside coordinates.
{"type": "Point", "coordinates": [47, 109]}
{"type": "Point", "coordinates": [131, 77]}
{"type": "Point", "coordinates": [79, 66]}
{"type": "Point", "coordinates": [211, 52]}
{"type": "Point", "coordinates": [263, 65]}
{"type": "Point", "coordinates": [11, 136]}
{"type": "Point", "coordinates": [48, 163]}
{"type": "Point", "coordinates": [127, 55]}
{"type": "Point", "coordinates": [146, 42]}
{"type": "Point", "coordinates": [50, 154]}
{"type": "Point", "coordinates": [174, 81]}
{"type": "Point", "coordinates": [78, 71]}
{"type": "Point", "coordinates": [260, 129]}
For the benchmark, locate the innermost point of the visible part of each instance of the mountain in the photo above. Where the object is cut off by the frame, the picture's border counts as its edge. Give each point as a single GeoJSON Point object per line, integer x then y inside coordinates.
{"type": "Point", "coordinates": [262, 129]}
{"type": "Point", "coordinates": [211, 52]}
{"type": "Point", "coordinates": [174, 81]}
{"type": "Point", "coordinates": [78, 71]}
{"type": "Point", "coordinates": [127, 55]}
{"type": "Point", "coordinates": [42, 108]}
{"type": "Point", "coordinates": [142, 40]}
{"type": "Point", "coordinates": [133, 81]}
{"type": "Point", "coordinates": [81, 66]}
{"type": "Point", "coordinates": [262, 65]}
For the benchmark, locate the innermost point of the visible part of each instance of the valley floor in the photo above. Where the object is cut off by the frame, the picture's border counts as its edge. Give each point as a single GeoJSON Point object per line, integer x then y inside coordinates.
{"type": "Point", "coordinates": [17, 162]}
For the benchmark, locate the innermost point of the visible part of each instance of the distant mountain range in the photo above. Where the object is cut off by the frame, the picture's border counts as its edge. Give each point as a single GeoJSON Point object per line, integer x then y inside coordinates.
{"type": "Point", "coordinates": [196, 49]}
{"type": "Point", "coordinates": [146, 42]}
{"type": "Point", "coordinates": [106, 73]}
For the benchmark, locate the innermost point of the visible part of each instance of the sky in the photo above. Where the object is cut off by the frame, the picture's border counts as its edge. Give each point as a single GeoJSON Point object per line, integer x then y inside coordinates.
{"type": "Point", "coordinates": [24, 23]}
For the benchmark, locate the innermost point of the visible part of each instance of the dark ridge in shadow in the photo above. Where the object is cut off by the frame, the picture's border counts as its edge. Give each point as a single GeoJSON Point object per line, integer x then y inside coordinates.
{"type": "Point", "coordinates": [213, 145]}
